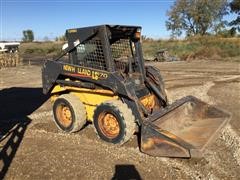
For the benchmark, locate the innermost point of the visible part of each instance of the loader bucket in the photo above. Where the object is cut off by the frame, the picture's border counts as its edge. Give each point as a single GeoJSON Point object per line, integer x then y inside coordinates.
{"type": "Point", "coordinates": [184, 129]}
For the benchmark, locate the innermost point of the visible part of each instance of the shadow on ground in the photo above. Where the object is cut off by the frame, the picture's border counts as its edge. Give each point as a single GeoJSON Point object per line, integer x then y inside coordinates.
{"type": "Point", "coordinates": [125, 172]}
{"type": "Point", "coordinates": [8, 151]}
{"type": "Point", "coordinates": [15, 105]}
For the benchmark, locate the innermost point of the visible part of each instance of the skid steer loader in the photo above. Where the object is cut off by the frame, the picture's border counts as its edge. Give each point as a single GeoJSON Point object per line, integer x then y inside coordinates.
{"type": "Point", "coordinates": [104, 80]}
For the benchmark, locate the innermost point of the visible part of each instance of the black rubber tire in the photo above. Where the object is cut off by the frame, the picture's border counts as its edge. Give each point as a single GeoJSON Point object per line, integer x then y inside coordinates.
{"type": "Point", "coordinates": [124, 116]}
{"type": "Point", "coordinates": [77, 109]}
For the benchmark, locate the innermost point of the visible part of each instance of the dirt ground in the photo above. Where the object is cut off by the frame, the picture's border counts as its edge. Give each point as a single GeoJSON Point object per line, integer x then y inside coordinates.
{"type": "Point", "coordinates": [33, 148]}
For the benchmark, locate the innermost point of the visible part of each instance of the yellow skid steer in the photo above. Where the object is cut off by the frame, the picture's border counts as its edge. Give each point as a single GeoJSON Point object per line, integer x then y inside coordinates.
{"type": "Point", "coordinates": [102, 78]}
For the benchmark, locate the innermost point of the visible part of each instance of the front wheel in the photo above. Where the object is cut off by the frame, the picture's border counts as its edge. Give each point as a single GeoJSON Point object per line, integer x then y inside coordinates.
{"type": "Point", "coordinates": [69, 113]}
{"type": "Point", "coordinates": [114, 122]}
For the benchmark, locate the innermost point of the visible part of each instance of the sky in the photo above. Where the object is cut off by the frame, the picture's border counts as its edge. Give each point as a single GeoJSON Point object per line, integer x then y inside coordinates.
{"type": "Point", "coordinates": [51, 18]}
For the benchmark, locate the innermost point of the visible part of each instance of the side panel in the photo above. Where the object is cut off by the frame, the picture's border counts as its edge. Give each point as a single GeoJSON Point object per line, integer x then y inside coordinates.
{"type": "Point", "coordinates": [50, 72]}
{"type": "Point", "coordinates": [114, 82]}
{"type": "Point", "coordinates": [90, 98]}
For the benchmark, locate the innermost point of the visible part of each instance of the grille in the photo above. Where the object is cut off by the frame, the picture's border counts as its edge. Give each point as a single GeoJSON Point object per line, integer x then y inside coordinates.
{"type": "Point", "coordinates": [121, 52]}
{"type": "Point", "coordinates": [90, 54]}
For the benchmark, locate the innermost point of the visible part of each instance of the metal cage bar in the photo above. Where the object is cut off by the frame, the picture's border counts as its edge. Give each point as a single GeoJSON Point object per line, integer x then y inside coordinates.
{"type": "Point", "coordinates": [121, 52]}
{"type": "Point", "coordinates": [90, 54]}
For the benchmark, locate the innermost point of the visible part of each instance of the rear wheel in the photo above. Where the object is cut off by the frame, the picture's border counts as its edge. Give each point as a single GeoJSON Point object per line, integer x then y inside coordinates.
{"type": "Point", "coordinates": [114, 122]}
{"type": "Point", "coordinates": [69, 113]}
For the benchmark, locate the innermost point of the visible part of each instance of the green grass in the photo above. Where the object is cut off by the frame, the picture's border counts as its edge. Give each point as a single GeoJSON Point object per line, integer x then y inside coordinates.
{"type": "Point", "coordinates": [209, 48]}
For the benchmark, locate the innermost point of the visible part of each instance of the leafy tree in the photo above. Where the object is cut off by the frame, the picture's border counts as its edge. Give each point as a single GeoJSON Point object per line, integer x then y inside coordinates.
{"type": "Point", "coordinates": [28, 35]}
{"type": "Point", "coordinates": [196, 17]}
{"type": "Point", "coordinates": [235, 8]}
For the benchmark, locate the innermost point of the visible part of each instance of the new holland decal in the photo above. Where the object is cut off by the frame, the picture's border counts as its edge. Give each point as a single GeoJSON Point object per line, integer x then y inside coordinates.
{"type": "Point", "coordinates": [83, 72]}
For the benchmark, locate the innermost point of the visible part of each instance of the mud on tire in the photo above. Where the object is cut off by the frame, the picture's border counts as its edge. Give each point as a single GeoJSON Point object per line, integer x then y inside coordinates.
{"type": "Point", "coordinates": [69, 113]}
{"type": "Point", "coordinates": [114, 122]}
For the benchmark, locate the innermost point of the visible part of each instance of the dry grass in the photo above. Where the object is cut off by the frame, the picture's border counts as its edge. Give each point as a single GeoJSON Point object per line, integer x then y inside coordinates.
{"type": "Point", "coordinates": [9, 60]}
{"type": "Point", "coordinates": [44, 49]}
{"type": "Point", "coordinates": [209, 48]}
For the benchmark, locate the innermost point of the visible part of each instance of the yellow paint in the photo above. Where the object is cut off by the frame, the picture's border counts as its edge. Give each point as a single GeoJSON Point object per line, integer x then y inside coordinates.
{"type": "Point", "coordinates": [148, 101]}
{"type": "Point", "coordinates": [72, 30]}
{"type": "Point", "coordinates": [85, 72]}
{"type": "Point", "coordinates": [91, 98]}
{"type": "Point", "coordinates": [69, 68]}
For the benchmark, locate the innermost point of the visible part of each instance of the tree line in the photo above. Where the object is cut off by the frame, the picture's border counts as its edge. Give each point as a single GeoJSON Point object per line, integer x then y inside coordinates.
{"type": "Point", "coordinates": [203, 17]}
{"type": "Point", "coordinates": [192, 17]}
{"type": "Point", "coordinates": [28, 35]}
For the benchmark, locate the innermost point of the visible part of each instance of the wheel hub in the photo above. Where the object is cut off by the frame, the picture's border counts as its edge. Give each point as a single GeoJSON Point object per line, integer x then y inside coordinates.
{"type": "Point", "coordinates": [109, 125]}
{"type": "Point", "coordinates": [64, 115]}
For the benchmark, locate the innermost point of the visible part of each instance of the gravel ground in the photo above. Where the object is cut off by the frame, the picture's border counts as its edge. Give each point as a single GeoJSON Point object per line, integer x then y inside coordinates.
{"type": "Point", "coordinates": [35, 149]}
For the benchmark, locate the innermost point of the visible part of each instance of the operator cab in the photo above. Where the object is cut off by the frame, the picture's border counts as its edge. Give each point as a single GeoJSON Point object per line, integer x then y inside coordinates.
{"type": "Point", "coordinates": [107, 48]}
